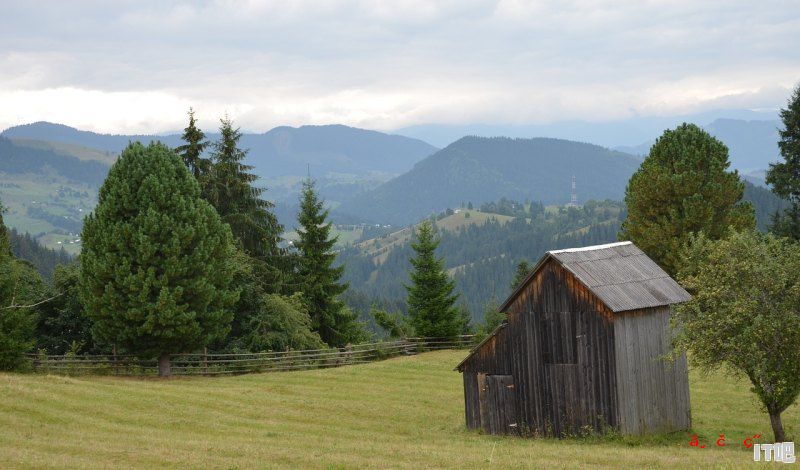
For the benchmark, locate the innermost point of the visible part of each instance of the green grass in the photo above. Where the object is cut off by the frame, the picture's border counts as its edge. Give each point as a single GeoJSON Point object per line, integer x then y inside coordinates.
{"type": "Point", "coordinates": [403, 412]}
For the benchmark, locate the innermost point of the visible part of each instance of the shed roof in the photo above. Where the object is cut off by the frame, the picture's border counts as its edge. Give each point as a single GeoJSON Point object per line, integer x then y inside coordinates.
{"type": "Point", "coordinates": [619, 274]}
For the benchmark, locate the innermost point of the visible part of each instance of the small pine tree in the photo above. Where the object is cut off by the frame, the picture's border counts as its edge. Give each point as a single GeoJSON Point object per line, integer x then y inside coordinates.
{"type": "Point", "coordinates": [523, 269]}
{"type": "Point", "coordinates": [155, 266]}
{"type": "Point", "coordinates": [192, 152]}
{"type": "Point", "coordinates": [785, 176]}
{"type": "Point", "coordinates": [318, 278]}
{"type": "Point", "coordinates": [431, 301]}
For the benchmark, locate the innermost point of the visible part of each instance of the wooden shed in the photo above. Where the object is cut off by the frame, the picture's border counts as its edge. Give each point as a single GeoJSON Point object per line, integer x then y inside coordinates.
{"type": "Point", "coordinates": [582, 349]}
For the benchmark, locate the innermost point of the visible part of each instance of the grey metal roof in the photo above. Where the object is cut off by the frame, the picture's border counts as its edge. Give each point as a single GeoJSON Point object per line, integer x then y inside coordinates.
{"type": "Point", "coordinates": [619, 274]}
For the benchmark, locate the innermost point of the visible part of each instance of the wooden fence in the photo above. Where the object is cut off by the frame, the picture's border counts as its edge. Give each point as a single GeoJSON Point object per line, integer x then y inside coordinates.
{"type": "Point", "coordinates": [209, 363]}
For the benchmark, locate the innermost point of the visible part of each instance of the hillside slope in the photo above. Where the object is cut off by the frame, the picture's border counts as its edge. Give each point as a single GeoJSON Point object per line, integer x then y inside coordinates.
{"type": "Point", "coordinates": [478, 170]}
{"type": "Point", "coordinates": [405, 412]}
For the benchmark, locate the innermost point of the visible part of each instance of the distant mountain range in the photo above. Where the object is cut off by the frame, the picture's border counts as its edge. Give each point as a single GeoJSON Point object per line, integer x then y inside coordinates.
{"type": "Point", "coordinates": [480, 169]}
{"type": "Point", "coordinates": [626, 132]}
{"type": "Point", "coordinates": [324, 150]}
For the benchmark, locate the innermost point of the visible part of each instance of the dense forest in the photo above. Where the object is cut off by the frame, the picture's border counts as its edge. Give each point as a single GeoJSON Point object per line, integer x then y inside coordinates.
{"type": "Point", "coordinates": [45, 260]}
{"type": "Point", "coordinates": [19, 159]}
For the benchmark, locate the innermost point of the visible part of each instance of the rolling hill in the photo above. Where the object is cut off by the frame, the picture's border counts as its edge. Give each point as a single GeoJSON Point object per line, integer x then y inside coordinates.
{"type": "Point", "coordinates": [331, 149]}
{"type": "Point", "coordinates": [479, 169]}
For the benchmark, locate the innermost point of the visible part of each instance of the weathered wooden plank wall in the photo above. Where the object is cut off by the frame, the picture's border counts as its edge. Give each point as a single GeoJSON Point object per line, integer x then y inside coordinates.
{"type": "Point", "coordinates": [559, 349]}
{"type": "Point", "coordinates": [653, 393]}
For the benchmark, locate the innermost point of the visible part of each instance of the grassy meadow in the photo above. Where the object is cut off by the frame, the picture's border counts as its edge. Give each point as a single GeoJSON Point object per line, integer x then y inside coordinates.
{"type": "Point", "coordinates": [402, 412]}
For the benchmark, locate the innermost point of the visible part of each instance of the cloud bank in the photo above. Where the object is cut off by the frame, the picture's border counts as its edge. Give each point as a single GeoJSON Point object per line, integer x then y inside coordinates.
{"type": "Point", "coordinates": [136, 66]}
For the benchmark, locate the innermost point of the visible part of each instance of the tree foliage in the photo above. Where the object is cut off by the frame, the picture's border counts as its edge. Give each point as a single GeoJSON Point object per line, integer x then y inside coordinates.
{"type": "Point", "coordinates": [520, 274]}
{"type": "Point", "coordinates": [21, 287]}
{"type": "Point", "coordinates": [683, 187]}
{"type": "Point", "coordinates": [319, 279]}
{"type": "Point", "coordinates": [395, 324]}
{"type": "Point", "coordinates": [431, 301]}
{"type": "Point", "coordinates": [63, 325]}
{"type": "Point", "coordinates": [492, 318]}
{"type": "Point", "coordinates": [745, 314]}
{"type": "Point", "coordinates": [280, 323]}
{"type": "Point", "coordinates": [192, 151]}
{"type": "Point", "coordinates": [785, 176]}
{"type": "Point", "coordinates": [238, 202]}
{"type": "Point", "coordinates": [155, 266]}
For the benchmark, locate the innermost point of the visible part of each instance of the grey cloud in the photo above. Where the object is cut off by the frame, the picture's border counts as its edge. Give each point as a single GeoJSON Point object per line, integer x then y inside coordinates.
{"type": "Point", "coordinates": [390, 64]}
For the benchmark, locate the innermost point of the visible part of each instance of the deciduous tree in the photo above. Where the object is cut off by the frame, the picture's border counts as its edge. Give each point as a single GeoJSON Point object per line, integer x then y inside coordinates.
{"type": "Point", "coordinates": [20, 286]}
{"type": "Point", "coordinates": [745, 314]}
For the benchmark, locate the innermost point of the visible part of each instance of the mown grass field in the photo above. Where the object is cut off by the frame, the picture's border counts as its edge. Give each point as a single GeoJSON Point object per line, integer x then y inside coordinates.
{"type": "Point", "coordinates": [403, 412]}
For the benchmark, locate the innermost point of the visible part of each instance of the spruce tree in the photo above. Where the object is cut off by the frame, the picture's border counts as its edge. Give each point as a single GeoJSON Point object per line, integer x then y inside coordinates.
{"type": "Point", "coordinates": [523, 269]}
{"type": "Point", "coordinates": [155, 266]}
{"type": "Point", "coordinates": [241, 206]}
{"type": "Point", "coordinates": [192, 152]}
{"type": "Point", "coordinates": [683, 187]}
{"type": "Point", "coordinates": [785, 176]}
{"type": "Point", "coordinates": [318, 277]}
{"type": "Point", "coordinates": [431, 301]}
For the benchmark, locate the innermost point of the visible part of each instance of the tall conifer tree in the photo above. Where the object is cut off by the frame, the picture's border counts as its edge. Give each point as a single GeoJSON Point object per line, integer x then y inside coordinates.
{"type": "Point", "coordinates": [785, 176]}
{"type": "Point", "coordinates": [319, 279]}
{"type": "Point", "coordinates": [156, 261]}
{"type": "Point", "coordinates": [240, 205]}
{"type": "Point", "coordinates": [431, 301]}
{"type": "Point", "coordinates": [192, 152]}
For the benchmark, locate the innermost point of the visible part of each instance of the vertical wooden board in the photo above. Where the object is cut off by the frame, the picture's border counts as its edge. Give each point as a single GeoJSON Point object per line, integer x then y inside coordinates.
{"type": "Point", "coordinates": [483, 409]}
{"type": "Point", "coordinates": [470, 402]}
{"type": "Point", "coordinates": [623, 399]}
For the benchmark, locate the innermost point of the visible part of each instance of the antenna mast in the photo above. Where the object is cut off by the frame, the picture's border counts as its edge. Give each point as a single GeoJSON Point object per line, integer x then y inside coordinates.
{"type": "Point", "coordinates": [573, 200]}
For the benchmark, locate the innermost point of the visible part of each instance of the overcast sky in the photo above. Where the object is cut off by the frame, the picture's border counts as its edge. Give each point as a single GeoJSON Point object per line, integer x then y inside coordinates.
{"type": "Point", "coordinates": [136, 66]}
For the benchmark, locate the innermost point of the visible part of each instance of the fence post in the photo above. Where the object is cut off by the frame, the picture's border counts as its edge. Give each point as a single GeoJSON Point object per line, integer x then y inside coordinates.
{"type": "Point", "coordinates": [114, 360]}
{"type": "Point", "coordinates": [205, 360]}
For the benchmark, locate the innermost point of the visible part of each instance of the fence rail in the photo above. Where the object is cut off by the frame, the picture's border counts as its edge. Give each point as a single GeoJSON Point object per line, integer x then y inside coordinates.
{"type": "Point", "coordinates": [211, 363]}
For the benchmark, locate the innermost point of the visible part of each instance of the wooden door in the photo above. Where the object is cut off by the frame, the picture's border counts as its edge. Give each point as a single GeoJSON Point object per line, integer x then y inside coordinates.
{"type": "Point", "coordinates": [498, 409]}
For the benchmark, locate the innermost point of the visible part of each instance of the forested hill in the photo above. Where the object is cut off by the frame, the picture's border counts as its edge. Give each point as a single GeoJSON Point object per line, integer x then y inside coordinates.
{"type": "Point", "coordinates": [482, 247]}
{"type": "Point", "coordinates": [16, 159]}
{"type": "Point", "coordinates": [280, 151]}
{"type": "Point", "coordinates": [482, 256]}
{"type": "Point", "coordinates": [478, 169]}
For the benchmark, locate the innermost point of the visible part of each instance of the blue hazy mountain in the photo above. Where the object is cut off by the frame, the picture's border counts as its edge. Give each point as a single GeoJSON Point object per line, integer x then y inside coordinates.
{"type": "Point", "coordinates": [628, 132]}
{"type": "Point", "coordinates": [281, 151]}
